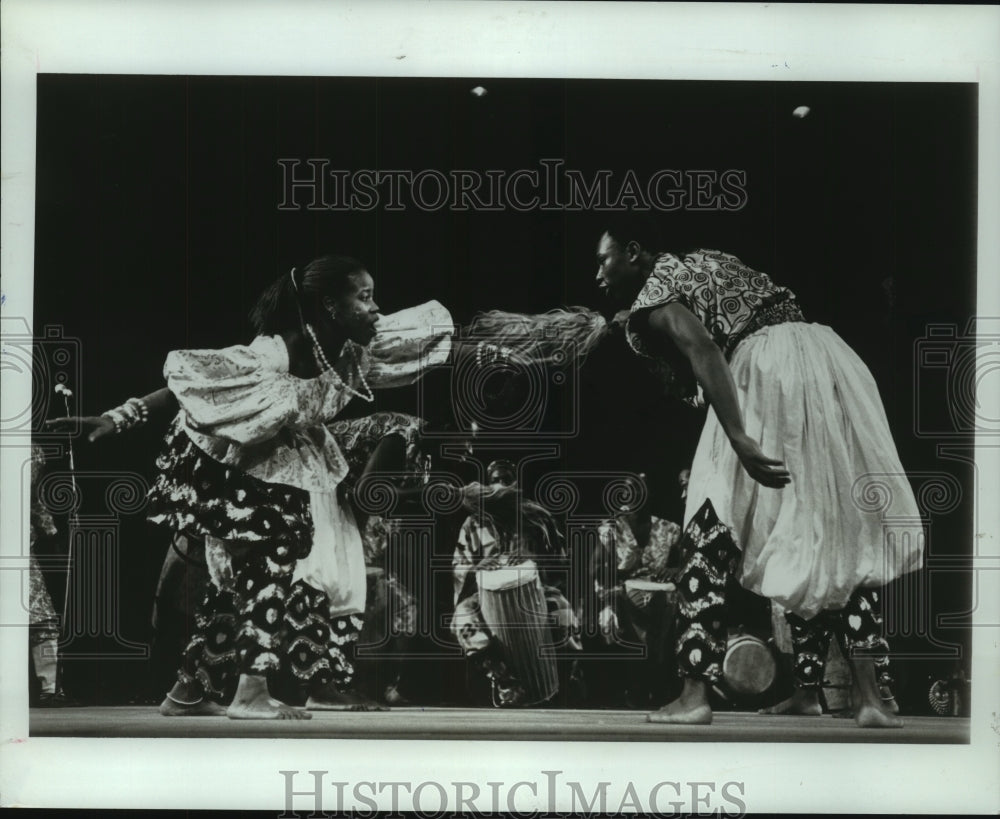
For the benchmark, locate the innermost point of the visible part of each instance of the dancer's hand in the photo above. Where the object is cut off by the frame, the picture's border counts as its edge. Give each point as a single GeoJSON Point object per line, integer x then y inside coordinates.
{"type": "Point", "coordinates": [607, 621]}
{"type": "Point", "coordinates": [764, 470]}
{"type": "Point", "coordinates": [97, 425]}
{"type": "Point", "coordinates": [620, 320]}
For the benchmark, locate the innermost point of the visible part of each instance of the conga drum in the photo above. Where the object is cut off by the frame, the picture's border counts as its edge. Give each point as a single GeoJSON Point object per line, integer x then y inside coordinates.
{"type": "Point", "coordinates": [513, 606]}
{"type": "Point", "coordinates": [749, 667]}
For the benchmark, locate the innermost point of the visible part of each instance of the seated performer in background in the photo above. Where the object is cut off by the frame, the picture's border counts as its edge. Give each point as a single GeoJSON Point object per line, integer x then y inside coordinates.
{"type": "Point", "coordinates": [634, 568]}
{"type": "Point", "coordinates": [43, 621]}
{"type": "Point", "coordinates": [371, 444]}
{"type": "Point", "coordinates": [478, 538]}
{"type": "Point", "coordinates": [390, 616]}
{"type": "Point", "coordinates": [505, 531]}
{"type": "Point", "coordinates": [182, 585]}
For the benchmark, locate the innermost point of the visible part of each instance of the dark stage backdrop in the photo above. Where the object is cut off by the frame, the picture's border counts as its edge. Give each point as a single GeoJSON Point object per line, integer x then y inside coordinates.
{"type": "Point", "coordinates": [158, 223]}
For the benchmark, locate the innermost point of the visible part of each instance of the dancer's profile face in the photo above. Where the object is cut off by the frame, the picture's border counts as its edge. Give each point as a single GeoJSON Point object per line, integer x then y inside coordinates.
{"type": "Point", "coordinates": [617, 268]}
{"type": "Point", "coordinates": [355, 311]}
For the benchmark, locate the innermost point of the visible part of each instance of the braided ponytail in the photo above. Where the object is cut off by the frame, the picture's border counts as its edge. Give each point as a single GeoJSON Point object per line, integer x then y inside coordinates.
{"type": "Point", "coordinates": [296, 297]}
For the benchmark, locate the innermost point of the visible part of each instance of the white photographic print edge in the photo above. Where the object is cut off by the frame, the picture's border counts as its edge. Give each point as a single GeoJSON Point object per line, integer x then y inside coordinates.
{"type": "Point", "coordinates": [719, 42]}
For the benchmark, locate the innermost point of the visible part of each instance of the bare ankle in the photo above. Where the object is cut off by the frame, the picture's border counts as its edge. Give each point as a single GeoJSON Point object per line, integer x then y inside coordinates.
{"type": "Point", "coordinates": [251, 686]}
{"type": "Point", "coordinates": [186, 693]}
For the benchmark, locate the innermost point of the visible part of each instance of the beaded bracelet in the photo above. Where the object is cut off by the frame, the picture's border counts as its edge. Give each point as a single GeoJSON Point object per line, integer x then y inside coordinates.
{"type": "Point", "coordinates": [487, 353]}
{"type": "Point", "coordinates": [132, 413]}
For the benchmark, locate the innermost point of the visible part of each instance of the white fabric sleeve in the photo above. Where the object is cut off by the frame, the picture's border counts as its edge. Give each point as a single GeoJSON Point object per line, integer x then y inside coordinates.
{"type": "Point", "coordinates": [245, 394]}
{"type": "Point", "coordinates": [409, 343]}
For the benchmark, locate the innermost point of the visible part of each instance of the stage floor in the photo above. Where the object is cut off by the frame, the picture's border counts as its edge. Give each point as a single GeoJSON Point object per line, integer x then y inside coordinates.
{"type": "Point", "coordinates": [464, 723]}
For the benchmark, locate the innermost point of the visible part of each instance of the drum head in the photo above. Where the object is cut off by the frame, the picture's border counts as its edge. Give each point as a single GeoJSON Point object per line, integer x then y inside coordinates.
{"type": "Point", "coordinates": [749, 666]}
{"type": "Point", "coordinates": [648, 586]}
{"type": "Point", "coordinates": [507, 577]}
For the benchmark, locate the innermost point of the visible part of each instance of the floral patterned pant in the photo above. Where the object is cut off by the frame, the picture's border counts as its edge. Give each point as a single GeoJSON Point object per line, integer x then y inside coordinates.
{"type": "Point", "coordinates": [319, 646]}
{"type": "Point", "coordinates": [858, 629]}
{"type": "Point", "coordinates": [259, 622]}
{"type": "Point", "coordinates": [42, 615]}
{"type": "Point", "coordinates": [710, 556]}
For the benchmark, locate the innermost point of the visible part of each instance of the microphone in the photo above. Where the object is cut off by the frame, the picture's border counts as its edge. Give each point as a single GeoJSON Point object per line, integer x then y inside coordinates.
{"type": "Point", "coordinates": [67, 393]}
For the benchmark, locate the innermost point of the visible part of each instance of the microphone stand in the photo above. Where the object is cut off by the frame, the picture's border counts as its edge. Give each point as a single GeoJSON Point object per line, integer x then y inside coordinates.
{"type": "Point", "coordinates": [73, 519]}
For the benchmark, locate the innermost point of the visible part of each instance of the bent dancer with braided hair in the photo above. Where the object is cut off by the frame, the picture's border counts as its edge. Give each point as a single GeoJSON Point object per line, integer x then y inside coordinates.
{"type": "Point", "coordinates": [251, 467]}
{"type": "Point", "coordinates": [775, 384]}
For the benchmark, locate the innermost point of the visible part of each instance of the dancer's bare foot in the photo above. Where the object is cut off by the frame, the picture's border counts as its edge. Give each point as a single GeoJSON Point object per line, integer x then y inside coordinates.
{"type": "Point", "coordinates": [873, 716]}
{"type": "Point", "coordinates": [889, 704]}
{"type": "Point", "coordinates": [393, 696]}
{"type": "Point", "coordinates": [329, 698]}
{"type": "Point", "coordinates": [264, 708]}
{"type": "Point", "coordinates": [204, 708]}
{"type": "Point", "coordinates": [187, 699]}
{"type": "Point", "coordinates": [690, 708]}
{"type": "Point", "coordinates": [888, 699]}
{"type": "Point", "coordinates": [803, 702]}
{"type": "Point", "coordinates": [252, 701]}
{"type": "Point", "coordinates": [866, 698]}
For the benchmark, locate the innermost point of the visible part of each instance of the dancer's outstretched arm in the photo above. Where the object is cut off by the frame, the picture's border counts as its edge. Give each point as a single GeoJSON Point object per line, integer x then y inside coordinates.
{"type": "Point", "coordinates": [99, 426]}
{"type": "Point", "coordinates": [679, 325]}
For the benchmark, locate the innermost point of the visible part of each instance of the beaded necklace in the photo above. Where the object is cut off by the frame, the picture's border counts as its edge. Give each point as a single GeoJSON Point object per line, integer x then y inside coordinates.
{"type": "Point", "coordinates": [325, 366]}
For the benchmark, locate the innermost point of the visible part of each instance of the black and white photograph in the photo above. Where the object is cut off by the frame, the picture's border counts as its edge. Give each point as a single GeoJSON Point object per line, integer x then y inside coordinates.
{"type": "Point", "coordinates": [492, 409]}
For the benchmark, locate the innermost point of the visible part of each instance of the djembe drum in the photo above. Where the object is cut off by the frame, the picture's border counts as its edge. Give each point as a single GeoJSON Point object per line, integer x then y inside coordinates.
{"type": "Point", "coordinates": [749, 668]}
{"type": "Point", "coordinates": [513, 606]}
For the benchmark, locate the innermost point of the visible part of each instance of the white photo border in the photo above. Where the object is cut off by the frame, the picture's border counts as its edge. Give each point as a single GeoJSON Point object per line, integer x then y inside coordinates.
{"type": "Point", "coordinates": [735, 42]}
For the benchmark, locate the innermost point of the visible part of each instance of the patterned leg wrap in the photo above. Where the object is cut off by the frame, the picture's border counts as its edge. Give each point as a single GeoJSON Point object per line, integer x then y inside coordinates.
{"type": "Point", "coordinates": [861, 631]}
{"type": "Point", "coordinates": [320, 648]}
{"type": "Point", "coordinates": [811, 642]}
{"type": "Point", "coordinates": [858, 628]}
{"type": "Point", "coordinates": [710, 555]}
{"type": "Point", "coordinates": [42, 617]}
{"type": "Point", "coordinates": [344, 631]}
{"type": "Point", "coordinates": [210, 656]}
{"type": "Point", "coordinates": [263, 579]}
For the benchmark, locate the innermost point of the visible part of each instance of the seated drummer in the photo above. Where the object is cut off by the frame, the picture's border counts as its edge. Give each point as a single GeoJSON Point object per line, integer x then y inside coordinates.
{"type": "Point", "coordinates": [391, 613]}
{"type": "Point", "coordinates": [629, 616]}
{"type": "Point", "coordinates": [478, 537]}
{"type": "Point", "coordinates": [504, 529]}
